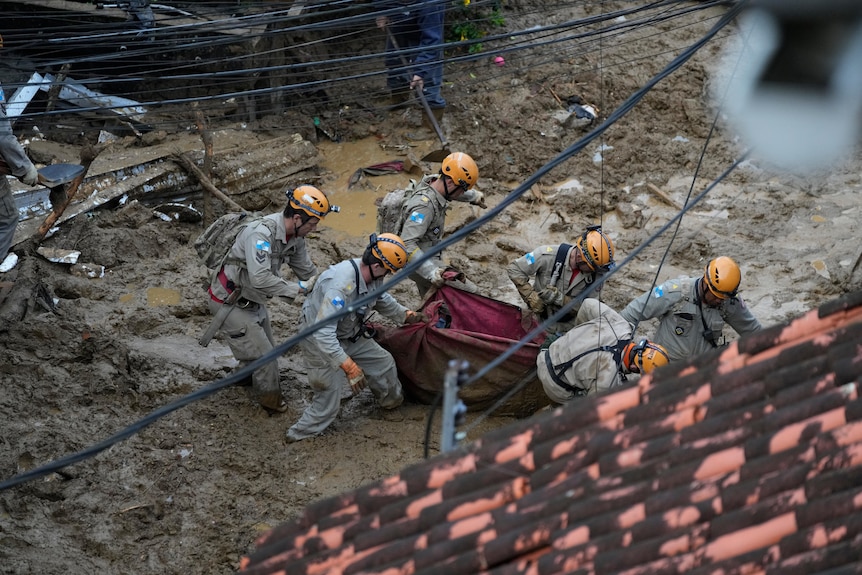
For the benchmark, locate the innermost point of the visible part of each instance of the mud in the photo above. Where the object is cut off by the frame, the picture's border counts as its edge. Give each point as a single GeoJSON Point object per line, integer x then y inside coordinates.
{"type": "Point", "coordinates": [84, 358]}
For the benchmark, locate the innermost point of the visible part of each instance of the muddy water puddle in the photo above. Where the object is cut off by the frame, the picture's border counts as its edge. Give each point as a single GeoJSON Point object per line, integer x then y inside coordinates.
{"type": "Point", "coordinates": [155, 297]}
{"type": "Point", "coordinates": [358, 216]}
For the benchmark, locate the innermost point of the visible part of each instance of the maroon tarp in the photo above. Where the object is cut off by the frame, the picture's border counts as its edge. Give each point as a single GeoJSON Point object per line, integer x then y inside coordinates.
{"type": "Point", "coordinates": [481, 329]}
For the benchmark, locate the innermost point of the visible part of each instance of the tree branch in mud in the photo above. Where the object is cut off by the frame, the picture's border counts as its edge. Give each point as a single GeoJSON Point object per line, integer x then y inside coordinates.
{"type": "Point", "coordinates": [205, 181]}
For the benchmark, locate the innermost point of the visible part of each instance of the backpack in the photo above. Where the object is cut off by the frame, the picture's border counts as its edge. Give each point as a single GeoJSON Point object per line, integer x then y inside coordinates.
{"type": "Point", "coordinates": [214, 244]}
{"type": "Point", "coordinates": [389, 212]}
{"type": "Point", "coordinates": [390, 209]}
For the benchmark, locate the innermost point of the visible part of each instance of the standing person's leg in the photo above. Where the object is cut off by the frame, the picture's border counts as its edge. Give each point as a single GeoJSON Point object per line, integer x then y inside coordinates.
{"type": "Point", "coordinates": [326, 383]}
{"type": "Point", "coordinates": [397, 79]}
{"type": "Point", "coordinates": [432, 88]}
{"type": "Point", "coordinates": [380, 371]}
{"type": "Point", "coordinates": [248, 341]}
{"type": "Point", "coordinates": [8, 217]}
{"type": "Point", "coordinates": [430, 29]}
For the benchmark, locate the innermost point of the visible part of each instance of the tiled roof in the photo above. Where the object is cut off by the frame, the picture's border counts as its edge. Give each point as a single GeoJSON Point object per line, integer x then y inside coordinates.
{"type": "Point", "coordinates": [747, 460]}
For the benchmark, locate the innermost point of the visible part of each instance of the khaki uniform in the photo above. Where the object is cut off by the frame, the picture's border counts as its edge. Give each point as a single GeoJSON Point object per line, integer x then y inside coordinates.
{"type": "Point", "coordinates": [595, 370]}
{"type": "Point", "coordinates": [683, 318]}
{"type": "Point", "coordinates": [18, 162]}
{"type": "Point", "coordinates": [247, 326]}
{"type": "Point", "coordinates": [328, 347]}
{"type": "Point", "coordinates": [538, 265]}
{"type": "Point", "coordinates": [423, 216]}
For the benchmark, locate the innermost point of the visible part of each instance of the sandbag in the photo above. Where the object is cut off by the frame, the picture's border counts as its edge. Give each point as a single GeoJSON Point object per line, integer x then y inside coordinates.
{"type": "Point", "coordinates": [474, 328]}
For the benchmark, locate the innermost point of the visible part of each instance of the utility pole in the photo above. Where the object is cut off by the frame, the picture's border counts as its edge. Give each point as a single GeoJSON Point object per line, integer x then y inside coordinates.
{"type": "Point", "coordinates": [453, 408]}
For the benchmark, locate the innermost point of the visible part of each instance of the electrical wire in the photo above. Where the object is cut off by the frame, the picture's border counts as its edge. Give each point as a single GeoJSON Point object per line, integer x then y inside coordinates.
{"type": "Point", "coordinates": [412, 266]}
{"type": "Point", "coordinates": [688, 195]}
{"type": "Point", "coordinates": [207, 80]}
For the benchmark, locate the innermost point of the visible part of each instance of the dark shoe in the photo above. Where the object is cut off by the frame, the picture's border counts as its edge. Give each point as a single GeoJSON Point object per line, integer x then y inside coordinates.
{"type": "Point", "coordinates": [399, 98]}
{"type": "Point", "coordinates": [438, 115]}
{"type": "Point", "coordinates": [280, 407]}
{"type": "Point", "coordinates": [247, 381]}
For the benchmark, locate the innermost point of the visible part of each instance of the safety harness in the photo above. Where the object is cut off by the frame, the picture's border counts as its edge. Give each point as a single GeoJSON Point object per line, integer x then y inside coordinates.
{"type": "Point", "coordinates": [559, 260]}
{"type": "Point", "coordinates": [365, 330]}
{"type": "Point", "coordinates": [556, 272]}
{"type": "Point", "coordinates": [558, 370]}
{"type": "Point", "coordinates": [708, 334]}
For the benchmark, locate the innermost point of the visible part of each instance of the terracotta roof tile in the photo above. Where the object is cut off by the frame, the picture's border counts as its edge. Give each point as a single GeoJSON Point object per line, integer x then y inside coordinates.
{"type": "Point", "coordinates": [745, 460]}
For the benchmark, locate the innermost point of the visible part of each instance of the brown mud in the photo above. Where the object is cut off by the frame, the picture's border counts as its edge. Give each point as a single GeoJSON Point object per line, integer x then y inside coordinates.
{"type": "Point", "coordinates": [84, 358]}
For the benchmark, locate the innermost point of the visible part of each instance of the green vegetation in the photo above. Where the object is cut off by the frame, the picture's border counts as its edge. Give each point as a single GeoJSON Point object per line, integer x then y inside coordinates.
{"type": "Point", "coordinates": [468, 22]}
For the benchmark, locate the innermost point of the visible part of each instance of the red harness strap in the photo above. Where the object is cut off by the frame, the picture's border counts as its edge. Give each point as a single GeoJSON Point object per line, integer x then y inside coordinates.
{"type": "Point", "coordinates": [222, 278]}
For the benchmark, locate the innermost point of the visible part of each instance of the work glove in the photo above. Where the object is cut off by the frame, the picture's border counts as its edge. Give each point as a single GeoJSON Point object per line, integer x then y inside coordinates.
{"type": "Point", "coordinates": [479, 200]}
{"type": "Point", "coordinates": [451, 274]}
{"type": "Point", "coordinates": [415, 317]}
{"type": "Point", "coordinates": [305, 286]}
{"type": "Point", "coordinates": [355, 375]}
{"type": "Point", "coordinates": [437, 277]}
{"type": "Point", "coordinates": [524, 287]}
{"type": "Point", "coordinates": [536, 304]}
{"type": "Point", "coordinates": [552, 296]}
{"type": "Point", "coordinates": [440, 276]}
{"type": "Point", "coordinates": [31, 178]}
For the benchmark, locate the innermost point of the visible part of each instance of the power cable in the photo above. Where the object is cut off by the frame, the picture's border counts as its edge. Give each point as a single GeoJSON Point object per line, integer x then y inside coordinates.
{"type": "Point", "coordinates": [690, 191]}
{"type": "Point", "coordinates": [577, 300]}
{"type": "Point", "coordinates": [613, 118]}
{"type": "Point", "coordinates": [279, 350]}
{"type": "Point", "coordinates": [407, 51]}
{"type": "Point", "coordinates": [333, 64]}
{"type": "Point", "coordinates": [307, 89]}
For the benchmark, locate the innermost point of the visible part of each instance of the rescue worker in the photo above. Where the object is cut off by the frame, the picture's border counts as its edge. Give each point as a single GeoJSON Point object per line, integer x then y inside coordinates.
{"type": "Point", "coordinates": [239, 290]}
{"type": "Point", "coordinates": [692, 311]}
{"type": "Point", "coordinates": [595, 355]}
{"type": "Point", "coordinates": [20, 166]}
{"type": "Point", "coordinates": [560, 273]}
{"type": "Point", "coordinates": [344, 351]}
{"type": "Point", "coordinates": [423, 215]}
{"type": "Point", "coordinates": [418, 24]}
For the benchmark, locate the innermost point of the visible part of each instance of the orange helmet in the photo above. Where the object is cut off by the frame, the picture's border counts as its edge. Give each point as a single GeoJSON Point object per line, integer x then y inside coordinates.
{"type": "Point", "coordinates": [461, 168]}
{"type": "Point", "coordinates": [311, 201]}
{"type": "Point", "coordinates": [597, 249]}
{"type": "Point", "coordinates": [644, 356]}
{"type": "Point", "coordinates": [390, 250]}
{"type": "Point", "coordinates": [722, 277]}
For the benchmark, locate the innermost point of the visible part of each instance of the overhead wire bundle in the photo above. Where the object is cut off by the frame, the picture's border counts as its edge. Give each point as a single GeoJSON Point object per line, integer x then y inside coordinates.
{"type": "Point", "coordinates": [454, 238]}
{"type": "Point", "coordinates": [284, 59]}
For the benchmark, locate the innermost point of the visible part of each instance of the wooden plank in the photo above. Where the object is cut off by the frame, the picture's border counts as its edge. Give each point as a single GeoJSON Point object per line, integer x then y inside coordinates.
{"type": "Point", "coordinates": [663, 196]}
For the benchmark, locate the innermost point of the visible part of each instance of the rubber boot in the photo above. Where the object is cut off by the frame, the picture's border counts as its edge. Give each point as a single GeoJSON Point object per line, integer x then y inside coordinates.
{"type": "Point", "coordinates": [399, 98]}
{"type": "Point", "coordinates": [438, 115]}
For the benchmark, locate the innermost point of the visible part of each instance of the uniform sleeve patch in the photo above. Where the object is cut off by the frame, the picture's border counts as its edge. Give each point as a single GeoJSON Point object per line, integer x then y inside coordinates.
{"type": "Point", "coordinates": [658, 291]}
{"type": "Point", "coordinates": [337, 302]}
{"type": "Point", "coordinates": [530, 257]}
{"type": "Point", "coordinates": [263, 246]}
{"type": "Point", "coordinates": [418, 217]}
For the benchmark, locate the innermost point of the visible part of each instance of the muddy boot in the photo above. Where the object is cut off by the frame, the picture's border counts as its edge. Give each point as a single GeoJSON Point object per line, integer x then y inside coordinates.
{"type": "Point", "coordinates": [273, 403]}
{"type": "Point", "coordinates": [398, 98]}
{"type": "Point", "coordinates": [438, 115]}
